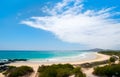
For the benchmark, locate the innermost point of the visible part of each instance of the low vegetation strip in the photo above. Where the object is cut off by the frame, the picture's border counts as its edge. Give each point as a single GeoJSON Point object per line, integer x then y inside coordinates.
{"type": "Point", "coordinates": [108, 71]}
{"type": "Point", "coordinates": [13, 71]}
{"type": "Point", "coordinates": [92, 64]}
{"type": "Point", "coordinates": [112, 69]}
{"type": "Point", "coordinates": [60, 70]}
{"type": "Point", "coordinates": [110, 52]}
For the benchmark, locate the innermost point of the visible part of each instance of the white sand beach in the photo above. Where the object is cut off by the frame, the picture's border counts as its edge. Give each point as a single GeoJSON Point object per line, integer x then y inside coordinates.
{"type": "Point", "coordinates": [1, 75]}
{"type": "Point", "coordinates": [35, 65]}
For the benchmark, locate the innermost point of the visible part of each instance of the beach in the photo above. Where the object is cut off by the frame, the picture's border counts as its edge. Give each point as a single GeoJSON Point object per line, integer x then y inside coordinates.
{"type": "Point", "coordinates": [35, 65]}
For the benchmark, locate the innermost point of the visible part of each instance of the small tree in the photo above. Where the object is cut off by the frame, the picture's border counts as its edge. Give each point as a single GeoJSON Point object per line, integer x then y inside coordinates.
{"type": "Point", "coordinates": [112, 60]}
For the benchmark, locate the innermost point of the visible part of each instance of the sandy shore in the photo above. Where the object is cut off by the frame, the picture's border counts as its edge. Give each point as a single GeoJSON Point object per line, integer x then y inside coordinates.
{"type": "Point", "coordinates": [1, 75]}
{"type": "Point", "coordinates": [35, 65]}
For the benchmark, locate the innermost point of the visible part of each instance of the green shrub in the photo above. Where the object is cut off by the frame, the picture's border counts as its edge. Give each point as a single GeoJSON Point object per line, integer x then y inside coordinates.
{"type": "Point", "coordinates": [10, 68]}
{"type": "Point", "coordinates": [112, 59]}
{"type": "Point", "coordinates": [63, 72]}
{"type": "Point", "coordinates": [60, 70]}
{"type": "Point", "coordinates": [108, 70]}
{"type": "Point", "coordinates": [78, 73]}
{"type": "Point", "coordinates": [18, 71]}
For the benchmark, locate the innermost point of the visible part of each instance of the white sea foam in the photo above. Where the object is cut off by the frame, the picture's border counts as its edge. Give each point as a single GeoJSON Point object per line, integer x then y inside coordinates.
{"type": "Point", "coordinates": [79, 57]}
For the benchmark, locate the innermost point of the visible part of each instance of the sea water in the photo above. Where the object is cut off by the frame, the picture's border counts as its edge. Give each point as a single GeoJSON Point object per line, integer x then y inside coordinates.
{"type": "Point", "coordinates": [50, 55]}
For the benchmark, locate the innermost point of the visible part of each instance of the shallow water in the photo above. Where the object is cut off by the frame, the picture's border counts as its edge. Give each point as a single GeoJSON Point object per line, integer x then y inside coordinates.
{"type": "Point", "coordinates": [48, 55]}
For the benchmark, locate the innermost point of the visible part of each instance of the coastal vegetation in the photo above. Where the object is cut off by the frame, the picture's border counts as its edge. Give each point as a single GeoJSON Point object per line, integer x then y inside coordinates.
{"type": "Point", "coordinates": [3, 68]}
{"type": "Point", "coordinates": [60, 70]}
{"type": "Point", "coordinates": [111, 52]}
{"type": "Point", "coordinates": [13, 71]}
{"type": "Point", "coordinates": [115, 55]}
{"type": "Point", "coordinates": [112, 69]}
{"type": "Point", "coordinates": [92, 64]}
{"type": "Point", "coordinates": [112, 60]}
{"type": "Point", "coordinates": [108, 70]}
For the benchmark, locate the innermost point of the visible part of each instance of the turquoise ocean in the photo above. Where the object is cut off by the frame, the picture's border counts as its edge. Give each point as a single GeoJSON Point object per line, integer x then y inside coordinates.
{"type": "Point", "coordinates": [47, 55]}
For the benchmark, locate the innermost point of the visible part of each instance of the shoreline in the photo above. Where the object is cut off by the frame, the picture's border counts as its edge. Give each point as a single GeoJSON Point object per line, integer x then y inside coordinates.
{"type": "Point", "coordinates": [75, 58]}
{"type": "Point", "coordinates": [35, 65]}
{"type": "Point", "coordinates": [99, 57]}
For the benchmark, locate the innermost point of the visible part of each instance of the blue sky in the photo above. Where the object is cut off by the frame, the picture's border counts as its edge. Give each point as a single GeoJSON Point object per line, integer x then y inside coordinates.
{"type": "Point", "coordinates": [43, 24]}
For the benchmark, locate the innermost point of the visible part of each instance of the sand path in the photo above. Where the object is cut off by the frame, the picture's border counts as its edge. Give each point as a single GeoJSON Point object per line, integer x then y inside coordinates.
{"type": "Point", "coordinates": [88, 72]}
{"type": "Point", "coordinates": [1, 75]}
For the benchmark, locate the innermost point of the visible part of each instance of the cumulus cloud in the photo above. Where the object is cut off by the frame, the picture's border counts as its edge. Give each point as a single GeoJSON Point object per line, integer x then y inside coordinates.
{"type": "Point", "coordinates": [68, 22]}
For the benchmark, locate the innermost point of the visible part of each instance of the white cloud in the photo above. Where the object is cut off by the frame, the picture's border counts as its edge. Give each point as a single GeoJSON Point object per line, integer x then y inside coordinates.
{"type": "Point", "coordinates": [69, 23]}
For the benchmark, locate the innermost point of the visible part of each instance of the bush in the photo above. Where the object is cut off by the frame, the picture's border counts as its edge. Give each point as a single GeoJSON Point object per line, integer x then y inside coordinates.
{"type": "Point", "coordinates": [108, 70]}
{"type": "Point", "coordinates": [63, 72]}
{"type": "Point", "coordinates": [60, 70]}
{"type": "Point", "coordinates": [112, 59]}
{"type": "Point", "coordinates": [18, 71]}
{"type": "Point", "coordinates": [10, 68]}
{"type": "Point", "coordinates": [78, 72]}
